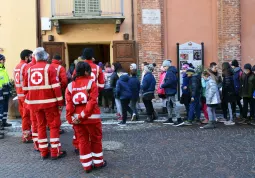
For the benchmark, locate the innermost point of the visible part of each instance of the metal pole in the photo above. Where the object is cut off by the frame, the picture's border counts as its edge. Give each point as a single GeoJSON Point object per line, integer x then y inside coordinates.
{"type": "Point", "coordinates": [178, 66]}
{"type": "Point", "coordinates": [122, 7]}
{"type": "Point", "coordinates": [53, 6]}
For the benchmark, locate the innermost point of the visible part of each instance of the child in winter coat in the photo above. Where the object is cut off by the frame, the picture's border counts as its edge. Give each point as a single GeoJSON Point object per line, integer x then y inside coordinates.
{"type": "Point", "coordinates": [228, 93]}
{"type": "Point", "coordinates": [185, 98]}
{"type": "Point", "coordinates": [108, 91]}
{"type": "Point", "coordinates": [212, 100]}
{"type": "Point", "coordinates": [203, 101]}
{"type": "Point", "coordinates": [195, 92]}
{"type": "Point", "coordinates": [123, 91]}
{"type": "Point", "coordinates": [134, 85]}
{"type": "Point", "coordinates": [148, 87]}
{"type": "Point", "coordinates": [161, 91]}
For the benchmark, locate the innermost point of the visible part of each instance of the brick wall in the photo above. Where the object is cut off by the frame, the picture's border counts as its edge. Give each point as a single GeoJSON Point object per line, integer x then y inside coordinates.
{"type": "Point", "coordinates": [229, 30]}
{"type": "Point", "coordinates": [150, 37]}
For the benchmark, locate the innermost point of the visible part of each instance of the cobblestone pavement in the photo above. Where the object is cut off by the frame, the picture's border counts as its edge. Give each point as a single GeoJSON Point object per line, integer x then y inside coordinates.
{"type": "Point", "coordinates": [143, 150]}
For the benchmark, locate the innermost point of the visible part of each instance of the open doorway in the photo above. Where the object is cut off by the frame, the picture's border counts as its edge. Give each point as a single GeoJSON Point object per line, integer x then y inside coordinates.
{"type": "Point", "coordinates": [101, 52]}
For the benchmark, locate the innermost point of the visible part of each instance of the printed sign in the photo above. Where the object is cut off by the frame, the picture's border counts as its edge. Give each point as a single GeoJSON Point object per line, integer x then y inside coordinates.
{"type": "Point", "coordinates": [151, 16]}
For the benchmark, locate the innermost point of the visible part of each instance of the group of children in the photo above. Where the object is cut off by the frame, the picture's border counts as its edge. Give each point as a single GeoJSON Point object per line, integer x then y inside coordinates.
{"type": "Point", "coordinates": [201, 91]}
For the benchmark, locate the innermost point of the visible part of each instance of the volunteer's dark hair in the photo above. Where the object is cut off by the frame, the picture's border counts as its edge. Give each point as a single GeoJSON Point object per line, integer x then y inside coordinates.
{"type": "Point", "coordinates": [88, 53]}
{"type": "Point", "coordinates": [213, 64]}
{"type": "Point", "coordinates": [25, 53]}
{"type": "Point", "coordinates": [81, 68]}
{"type": "Point", "coordinates": [117, 66]}
{"type": "Point", "coordinates": [57, 57]}
{"type": "Point", "coordinates": [121, 70]}
{"type": "Point", "coordinates": [145, 63]}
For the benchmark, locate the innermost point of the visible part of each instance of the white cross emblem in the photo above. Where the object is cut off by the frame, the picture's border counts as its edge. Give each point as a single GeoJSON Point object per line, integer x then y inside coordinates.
{"type": "Point", "coordinates": [79, 98]}
{"type": "Point", "coordinates": [36, 78]}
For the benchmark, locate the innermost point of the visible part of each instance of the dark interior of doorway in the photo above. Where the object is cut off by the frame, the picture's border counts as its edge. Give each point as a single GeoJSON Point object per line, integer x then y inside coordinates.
{"type": "Point", "coordinates": [101, 52]}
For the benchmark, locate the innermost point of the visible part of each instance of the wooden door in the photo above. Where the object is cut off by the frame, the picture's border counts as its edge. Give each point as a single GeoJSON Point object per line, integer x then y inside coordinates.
{"type": "Point", "coordinates": [124, 52]}
{"type": "Point", "coordinates": [54, 48]}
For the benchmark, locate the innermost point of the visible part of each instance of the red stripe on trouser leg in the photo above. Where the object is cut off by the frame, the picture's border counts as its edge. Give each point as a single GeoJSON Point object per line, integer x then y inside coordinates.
{"type": "Point", "coordinates": [42, 135]}
{"type": "Point", "coordinates": [95, 136]}
{"type": "Point", "coordinates": [34, 129]}
{"type": "Point", "coordinates": [54, 122]}
{"type": "Point", "coordinates": [84, 146]}
{"type": "Point", "coordinates": [75, 141]}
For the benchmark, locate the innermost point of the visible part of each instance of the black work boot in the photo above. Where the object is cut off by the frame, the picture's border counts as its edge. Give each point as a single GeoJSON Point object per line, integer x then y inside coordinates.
{"type": "Point", "coordinates": [1, 135]}
{"type": "Point", "coordinates": [154, 115]}
{"type": "Point", "coordinates": [149, 119]}
{"type": "Point", "coordinates": [169, 121]}
{"type": "Point", "coordinates": [5, 124]}
{"type": "Point", "coordinates": [1, 125]}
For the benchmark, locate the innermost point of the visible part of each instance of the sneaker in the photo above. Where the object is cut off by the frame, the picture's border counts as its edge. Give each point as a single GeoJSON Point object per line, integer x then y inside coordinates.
{"type": "Point", "coordinates": [187, 123]}
{"type": "Point", "coordinates": [222, 120]}
{"type": "Point", "coordinates": [243, 121]}
{"type": "Point", "coordinates": [120, 119]}
{"type": "Point", "coordinates": [169, 121]}
{"type": "Point", "coordinates": [178, 123]}
{"type": "Point", "coordinates": [5, 124]}
{"type": "Point", "coordinates": [229, 123]}
{"type": "Point", "coordinates": [122, 124]}
{"type": "Point", "coordinates": [205, 121]}
{"type": "Point", "coordinates": [62, 154]}
{"type": "Point", "coordinates": [133, 117]}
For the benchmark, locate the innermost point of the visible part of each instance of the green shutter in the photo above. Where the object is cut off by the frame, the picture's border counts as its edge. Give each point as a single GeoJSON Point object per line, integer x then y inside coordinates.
{"type": "Point", "coordinates": [86, 7]}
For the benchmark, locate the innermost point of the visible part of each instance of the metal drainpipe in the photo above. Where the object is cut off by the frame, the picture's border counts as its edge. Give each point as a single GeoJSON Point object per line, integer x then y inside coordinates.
{"type": "Point", "coordinates": [38, 23]}
{"type": "Point", "coordinates": [132, 14]}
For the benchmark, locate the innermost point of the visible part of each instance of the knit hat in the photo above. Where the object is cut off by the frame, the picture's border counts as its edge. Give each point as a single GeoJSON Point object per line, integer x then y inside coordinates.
{"type": "Point", "coordinates": [185, 67]}
{"type": "Point", "coordinates": [247, 66]}
{"type": "Point", "coordinates": [2, 57]}
{"type": "Point", "coordinates": [166, 63]}
{"type": "Point", "coordinates": [235, 63]}
{"type": "Point", "coordinates": [133, 65]}
{"type": "Point", "coordinates": [253, 68]}
{"type": "Point", "coordinates": [149, 68]}
{"type": "Point", "coordinates": [190, 71]}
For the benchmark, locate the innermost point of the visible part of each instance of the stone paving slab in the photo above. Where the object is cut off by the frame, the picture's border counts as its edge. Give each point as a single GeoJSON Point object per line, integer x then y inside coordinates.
{"type": "Point", "coordinates": [144, 151]}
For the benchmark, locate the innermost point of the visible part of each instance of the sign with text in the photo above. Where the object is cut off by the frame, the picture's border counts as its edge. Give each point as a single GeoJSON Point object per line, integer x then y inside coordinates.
{"type": "Point", "coordinates": [151, 16]}
{"type": "Point", "coordinates": [189, 52]}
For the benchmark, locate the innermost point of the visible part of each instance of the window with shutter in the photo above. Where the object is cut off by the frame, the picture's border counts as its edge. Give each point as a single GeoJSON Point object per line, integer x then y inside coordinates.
{"type": "Point", "coordinates": [86, 7]}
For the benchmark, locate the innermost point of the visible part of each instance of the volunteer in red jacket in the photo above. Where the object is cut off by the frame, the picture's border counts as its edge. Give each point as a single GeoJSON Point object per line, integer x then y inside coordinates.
{"type": "Point", "coordinates": [45, 98]}
{"type": "Point", "coordinates": [61, 73]}
{"type": "Point", "coordinates": [97, 76]}
{"type": "Point", "coordinates": [19, 73]}
{"type": "Point", "coordinates": [31, 113]}
{"type": "Point", "coordinates": [83, 112]}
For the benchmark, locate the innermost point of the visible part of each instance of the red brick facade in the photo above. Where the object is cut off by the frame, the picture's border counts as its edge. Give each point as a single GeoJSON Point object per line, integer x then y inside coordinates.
{"type": "Point", "coordinates": [229, 30]}
{"type": "Point", "coordinates": [150, 37]}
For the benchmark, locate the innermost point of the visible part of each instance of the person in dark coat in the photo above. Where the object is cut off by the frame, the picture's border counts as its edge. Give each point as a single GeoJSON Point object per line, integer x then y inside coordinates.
{"type": "Point", "coordinates": [247, 89]}
{"type": "Point", "coordinates": [237, 77]}
{"type": "Point", "coordinates": [134, 85]}
{"type": "Point", "coordinates": [228, 93]}
{"type": "Point", "coordinates": [170, 85]}
{"type": "Point", "coordinates": [123, 92]}
{"type": "Point", "coordinates": [148, 88]}
{"type": "Point", "coordinates": [195, 88]}
{"type": "Point", "coordinates": [113, 82]}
